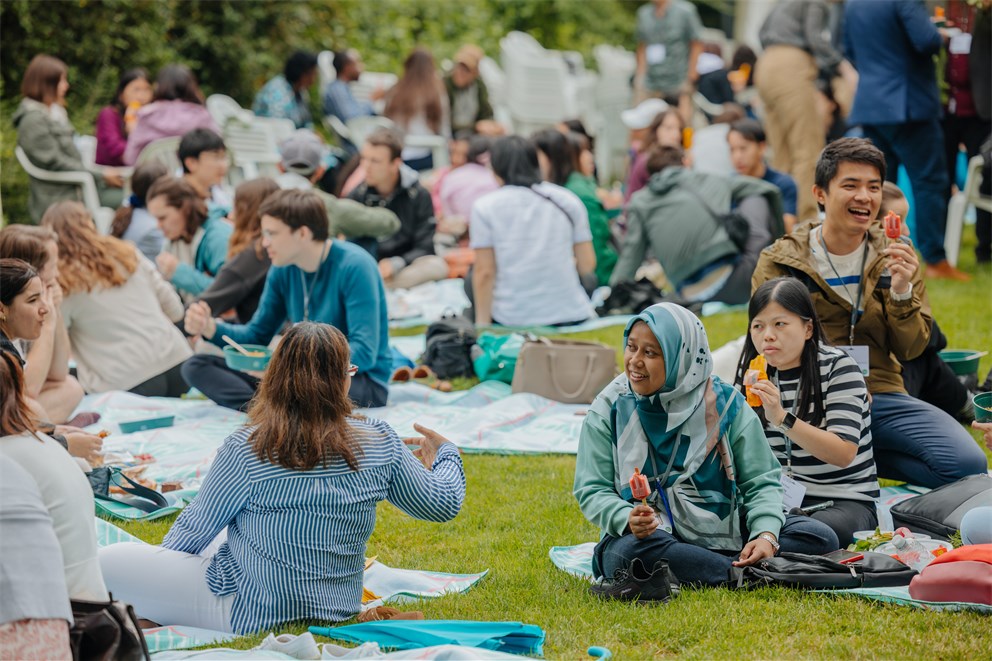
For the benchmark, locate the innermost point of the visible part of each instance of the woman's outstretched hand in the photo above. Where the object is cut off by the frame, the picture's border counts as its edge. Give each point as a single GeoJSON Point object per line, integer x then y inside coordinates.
{"type": "Point", "coordinates": [429, 442]}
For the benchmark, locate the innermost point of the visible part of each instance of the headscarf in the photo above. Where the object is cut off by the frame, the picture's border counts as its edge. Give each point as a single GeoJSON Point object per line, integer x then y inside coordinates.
{"type": "Point", "coordinates": [682, 418]}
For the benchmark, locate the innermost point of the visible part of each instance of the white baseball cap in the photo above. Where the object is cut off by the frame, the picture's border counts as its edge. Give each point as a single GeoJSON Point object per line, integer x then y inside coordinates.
{"type": "Point", "coordinates": [642, 116]}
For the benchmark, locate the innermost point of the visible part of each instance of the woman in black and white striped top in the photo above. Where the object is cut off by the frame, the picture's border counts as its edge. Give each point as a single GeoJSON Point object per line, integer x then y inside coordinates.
{"type": "Point", "coordinates": [814, 408]}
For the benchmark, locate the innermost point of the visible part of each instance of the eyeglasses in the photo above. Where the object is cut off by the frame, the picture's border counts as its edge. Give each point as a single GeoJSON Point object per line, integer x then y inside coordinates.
{"type": "Point", "coordinates": [352, 370]}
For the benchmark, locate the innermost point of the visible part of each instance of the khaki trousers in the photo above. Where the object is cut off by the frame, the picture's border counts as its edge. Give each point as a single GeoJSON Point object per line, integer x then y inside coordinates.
{"type": "Point", "coordinates": [786, 80]}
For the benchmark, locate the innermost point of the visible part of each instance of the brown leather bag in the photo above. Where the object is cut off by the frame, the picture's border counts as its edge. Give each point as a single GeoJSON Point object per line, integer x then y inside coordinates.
{"type": "Point", "coordinates": [565, 371]}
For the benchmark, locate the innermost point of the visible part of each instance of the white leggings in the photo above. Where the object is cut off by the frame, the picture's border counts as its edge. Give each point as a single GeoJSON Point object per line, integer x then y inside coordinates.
{"type": "Point", "coordinates": [165, 586]}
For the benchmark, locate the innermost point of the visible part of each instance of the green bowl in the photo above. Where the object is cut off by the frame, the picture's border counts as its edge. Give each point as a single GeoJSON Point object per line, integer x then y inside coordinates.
{"type": "Point", "coordinates": [983, 406]}
{"type": "Point", "coordinates": [963, 362]}
{"type": "Point", "coordinates": [238, 361]}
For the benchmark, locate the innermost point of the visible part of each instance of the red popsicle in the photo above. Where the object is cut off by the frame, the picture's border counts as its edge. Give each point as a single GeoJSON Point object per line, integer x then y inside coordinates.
{"type": "Point", "coordinates": [893, 225]}
{"type": "Point", "coordinates": [640, 488]}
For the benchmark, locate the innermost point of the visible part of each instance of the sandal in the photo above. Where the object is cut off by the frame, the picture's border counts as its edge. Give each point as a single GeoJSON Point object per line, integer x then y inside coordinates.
{"type": "Point", "coordinates": [402, 375]}
{"type": "Point", "coordinates": [423, 372]}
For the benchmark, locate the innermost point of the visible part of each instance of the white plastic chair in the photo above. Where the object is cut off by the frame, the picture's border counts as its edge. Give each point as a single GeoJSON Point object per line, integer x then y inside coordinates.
{"type": "Point", "coordinates": [222, 108]}
{"type": "Point", "coordinates": [538, 90]}
{"type": "Point", "coordinates": [438, 145]}
{"type": "Point", "coordinates": [958, 206]}
{"type": "Point", "coordinates": [165, 150]}
{"type": "Point", "coordinates": [102, 215]}
{"type": "Point", "coordinates": [369, 82]}
{"type": "Point", "coordinates": [280, 127]}
{"type": "Point", "coordinates": [325, 69]}
{"type": "Point", "coordinates": [253, 149]}
{"type": "Point", "coordinates": [494, 78]}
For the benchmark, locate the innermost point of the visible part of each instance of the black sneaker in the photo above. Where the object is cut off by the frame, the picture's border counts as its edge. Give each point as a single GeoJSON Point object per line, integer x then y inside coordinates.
{"type": "Point", "coordinates": [637, 584]}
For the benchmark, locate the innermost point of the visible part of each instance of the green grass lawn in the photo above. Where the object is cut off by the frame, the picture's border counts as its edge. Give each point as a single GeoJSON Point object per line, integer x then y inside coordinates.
{"type": "Point", "coordinates": [517, 507]}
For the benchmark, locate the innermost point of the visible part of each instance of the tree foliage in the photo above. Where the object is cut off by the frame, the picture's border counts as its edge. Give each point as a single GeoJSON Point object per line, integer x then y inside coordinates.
{"type": "Point", "coordinates": [234, 46]}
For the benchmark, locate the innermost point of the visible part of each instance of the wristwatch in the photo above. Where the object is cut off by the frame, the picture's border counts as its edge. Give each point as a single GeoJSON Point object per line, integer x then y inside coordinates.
{"type": "Point", "coordinates": [787, 422]}
{"type": "Point", "coordinates": [770, 538]}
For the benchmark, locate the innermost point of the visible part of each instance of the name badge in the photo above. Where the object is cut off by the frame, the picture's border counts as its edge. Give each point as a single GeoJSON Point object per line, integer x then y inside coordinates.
{"type": "Point", "coordinates": [859, 353]}
{"type": "Point", "coordinates": [655, 53]}
{"type": "Point", "coordinates": [794, 493]}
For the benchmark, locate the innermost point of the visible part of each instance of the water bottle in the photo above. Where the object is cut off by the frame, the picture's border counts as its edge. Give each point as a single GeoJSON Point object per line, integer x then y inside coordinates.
{"type": "Point", "coordinates": [911, 552]}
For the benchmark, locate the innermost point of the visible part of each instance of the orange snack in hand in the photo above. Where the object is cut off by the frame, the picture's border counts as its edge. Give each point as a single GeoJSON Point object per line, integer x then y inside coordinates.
{"type": "Point", "coordinates": [893, 225]}
{"type": "Point", "coordinates": [640, 488]}
{"type": "Point", "coordinates": [757, 371]}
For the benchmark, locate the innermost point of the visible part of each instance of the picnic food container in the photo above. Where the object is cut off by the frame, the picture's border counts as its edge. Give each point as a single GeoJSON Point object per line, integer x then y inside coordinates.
{"type": "Point", "coordinates": [983, 406]}
{"type": "Point", "coordinates": [144, 424]}
{"type": "Point", "coordinates": [962, 362]}
{"type": "Point", "coordinates": [238, 361]}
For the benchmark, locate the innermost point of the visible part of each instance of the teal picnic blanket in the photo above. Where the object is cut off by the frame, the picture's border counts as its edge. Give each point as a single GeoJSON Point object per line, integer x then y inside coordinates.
{"type": "Point", "coordinates": [900, 596]}
{"type": "Point", "coordinates": [510, 637]}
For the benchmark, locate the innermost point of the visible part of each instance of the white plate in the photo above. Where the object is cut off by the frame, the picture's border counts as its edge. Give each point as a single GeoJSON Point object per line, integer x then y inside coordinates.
{"type": "Point", "coordinates": [865, 534]}
{"type": "Point", "coordinates": [931, 545]}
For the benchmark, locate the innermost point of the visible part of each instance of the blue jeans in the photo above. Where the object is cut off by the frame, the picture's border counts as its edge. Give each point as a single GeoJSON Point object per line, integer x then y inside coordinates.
{"type": "Point", "coordinates": [234, 389]}
{"type": "Point", "coordinates": [918, 443]}
{"type": "Point", "coordinates": [693, 564]}
{"type": "Point", "coordinates": [919, 146]}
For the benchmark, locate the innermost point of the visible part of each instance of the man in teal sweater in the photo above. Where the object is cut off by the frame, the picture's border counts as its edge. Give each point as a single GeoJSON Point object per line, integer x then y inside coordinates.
{"type": "Point", "coordinates": [313, 278]}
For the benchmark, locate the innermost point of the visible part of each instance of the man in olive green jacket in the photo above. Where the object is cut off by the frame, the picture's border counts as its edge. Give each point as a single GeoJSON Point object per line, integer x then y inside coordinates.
{"type": "Point", "coordinates": [675, 216]}
{"type": "Point", "coordinates": [869, 295]}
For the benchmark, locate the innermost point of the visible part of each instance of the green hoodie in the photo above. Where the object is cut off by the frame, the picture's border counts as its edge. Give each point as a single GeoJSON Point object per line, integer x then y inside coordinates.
{"type": "Point", "coordinates": [681, 233]}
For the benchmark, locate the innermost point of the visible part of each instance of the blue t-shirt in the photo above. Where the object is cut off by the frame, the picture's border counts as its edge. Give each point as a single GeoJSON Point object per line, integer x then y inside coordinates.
{"type": "Point", "coordinates": [347, 293]}
{"type": "Point", "coordinates": [787, 185]}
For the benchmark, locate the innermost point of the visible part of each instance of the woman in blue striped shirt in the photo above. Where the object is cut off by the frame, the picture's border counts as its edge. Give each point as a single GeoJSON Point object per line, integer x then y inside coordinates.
{"type": "Point", "coordinates": [814, 409]}
{"type": "Point", "coordinates": [296, 493]}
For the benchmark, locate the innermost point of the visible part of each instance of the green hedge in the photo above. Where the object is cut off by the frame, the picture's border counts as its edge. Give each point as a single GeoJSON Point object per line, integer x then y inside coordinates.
{"type": "Point", "coordinates": [234, 46]}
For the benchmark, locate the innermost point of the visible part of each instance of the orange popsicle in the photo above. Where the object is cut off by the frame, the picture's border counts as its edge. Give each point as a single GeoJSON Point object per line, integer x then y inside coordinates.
{"type": "Point", "coordinates": [757, 371]}
{"type": "Point", "coordinates": [893, 225]}
{"type": "Point", "coordinates": [640, 488]}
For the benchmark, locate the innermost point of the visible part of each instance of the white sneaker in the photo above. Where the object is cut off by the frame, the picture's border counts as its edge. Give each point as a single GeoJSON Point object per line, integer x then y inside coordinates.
{"type": "Point", "coordinates": [298, 647]}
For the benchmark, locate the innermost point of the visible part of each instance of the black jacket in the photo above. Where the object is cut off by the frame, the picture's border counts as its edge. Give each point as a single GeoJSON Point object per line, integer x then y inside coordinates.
{"type": "Point", "coordinates": [413, 206]}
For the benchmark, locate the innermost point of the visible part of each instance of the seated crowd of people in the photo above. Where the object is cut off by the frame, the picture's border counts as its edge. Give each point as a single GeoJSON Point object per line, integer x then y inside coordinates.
{"type": "Point", "coordinates": [303, 261]}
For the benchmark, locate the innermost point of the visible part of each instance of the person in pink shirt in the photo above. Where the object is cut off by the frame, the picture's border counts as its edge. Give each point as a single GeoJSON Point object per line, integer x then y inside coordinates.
{"type": "Point", "coordinates": [116, 120]}
{"type": "Point", "coordinates": [178, 107]}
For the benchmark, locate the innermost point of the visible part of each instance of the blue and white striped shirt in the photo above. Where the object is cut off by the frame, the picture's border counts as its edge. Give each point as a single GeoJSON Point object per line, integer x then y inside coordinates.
{"type": "Point", "coordinates": [296, 539]}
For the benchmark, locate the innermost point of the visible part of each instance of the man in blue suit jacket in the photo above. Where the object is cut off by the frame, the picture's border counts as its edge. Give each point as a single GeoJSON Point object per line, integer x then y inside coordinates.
{"type": "Point", "coordinates": [892, 44]}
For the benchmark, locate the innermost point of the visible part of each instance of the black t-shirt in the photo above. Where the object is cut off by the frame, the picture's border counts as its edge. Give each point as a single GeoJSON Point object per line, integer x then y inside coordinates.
{"type": "Point", "coordinates": [8, 346]}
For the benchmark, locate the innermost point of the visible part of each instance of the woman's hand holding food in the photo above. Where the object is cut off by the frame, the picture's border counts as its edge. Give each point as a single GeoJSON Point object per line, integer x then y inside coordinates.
{"type": "Point", "coordinates": [642, 521]}
{"type": "Point", "coordinates": [771, 400]}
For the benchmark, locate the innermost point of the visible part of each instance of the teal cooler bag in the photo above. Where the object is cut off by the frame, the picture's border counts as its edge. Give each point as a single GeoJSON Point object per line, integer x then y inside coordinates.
{"type": "Point", "coordinates": [495, 356]}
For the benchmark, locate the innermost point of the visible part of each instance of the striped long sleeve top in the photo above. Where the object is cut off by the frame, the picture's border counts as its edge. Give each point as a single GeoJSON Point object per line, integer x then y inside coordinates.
{"type": "Point", "coordinates": [847, 414]}
{"type": "Point", "coordinates": [296, 539]}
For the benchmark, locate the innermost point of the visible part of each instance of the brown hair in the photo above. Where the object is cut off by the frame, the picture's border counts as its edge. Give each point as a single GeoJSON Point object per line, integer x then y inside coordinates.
{"type": "Point", "coordinates": [890, 193]}
{"type": "Point", "coordinates": [386, 137]}
{"type": "Point", "coordinates": [419, 90]}
{"type": "Point", "coordinates": [144, 176]}
{"type": "Point", "coordinates": [298, 208]}
{"type": "Point", "coordinates": [301, 409]}
{"type": "Point", "coordinates": [664, 156]}
{"type": "Point", "coordinates": [15, 414]}
{"type": "Point", "coordinates": [27, 242]}
{"type": "Point", "coordinates": [248, 199]}
{"type": "Point", "coordinates": [652, 137]}
{"type": "Point", "coordinates": [180, 194]}
{"type": "Point", "coordinates": [41, 79]}
{"type": "Point", "coordinates": [175, 82]}
{"type": "Point", "coordinates": [87, 259]}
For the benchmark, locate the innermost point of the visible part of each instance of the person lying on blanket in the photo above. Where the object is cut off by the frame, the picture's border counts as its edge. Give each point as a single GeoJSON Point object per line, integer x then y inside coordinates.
{"type": "Point", "coordinates": [814, 409]}
{"type": "Point", "coordinates": [693, 435]}
{"type": "Point", "coordinates": [296, 493]}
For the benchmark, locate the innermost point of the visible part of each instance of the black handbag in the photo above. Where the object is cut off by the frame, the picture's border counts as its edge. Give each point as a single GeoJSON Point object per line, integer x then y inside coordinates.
{"type": "Point", "coordinates": [815, 572]}
{"type": "Point", "coordinates": [106, 631]}
{"type": "Point", "coordinates": [140, 496]}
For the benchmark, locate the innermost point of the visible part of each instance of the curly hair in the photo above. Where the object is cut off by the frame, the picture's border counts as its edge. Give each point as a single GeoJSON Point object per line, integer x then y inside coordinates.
{"type": "Point", "coordinates": [248, 199]}
{"type": "Point", "coordinates": [87, 259]}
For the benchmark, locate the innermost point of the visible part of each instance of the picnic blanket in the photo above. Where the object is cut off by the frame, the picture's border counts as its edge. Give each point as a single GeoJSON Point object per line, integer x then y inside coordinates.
{"type": "Point", "coordinates": [387, 584]}
{"type": "Point", "coordinates": [331, 651]}
{"type": "Point", "coordinates": [513, 637]}
{"type": "Point", "coordinates": [577, 560]}
{"type": "Point", "coordinates": [486, 418]}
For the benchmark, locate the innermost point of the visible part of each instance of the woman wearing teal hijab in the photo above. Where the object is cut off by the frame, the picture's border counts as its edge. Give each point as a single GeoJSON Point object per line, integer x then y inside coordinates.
{"type": "Point", "coordinates": [671, 419]}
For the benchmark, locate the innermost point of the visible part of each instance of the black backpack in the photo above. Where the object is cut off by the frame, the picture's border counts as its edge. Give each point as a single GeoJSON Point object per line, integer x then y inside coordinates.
{"type": "Point", "coordinates": [814, 572]}
{"type": "Point", "coordinates": [449, 347]}
{"type": "Point", "coordinates": [938, 513]}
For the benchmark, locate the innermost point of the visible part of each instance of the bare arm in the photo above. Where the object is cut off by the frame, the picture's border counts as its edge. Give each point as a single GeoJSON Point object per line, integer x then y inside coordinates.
{"type": "Point", "coordinates": [695, 48]}
{"type": "Point", "coordinates": [585, 257]}
{"type": "Point", "coordinates": [642, 63]}
{"type": "Point", "coordinates": [483, 278]}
